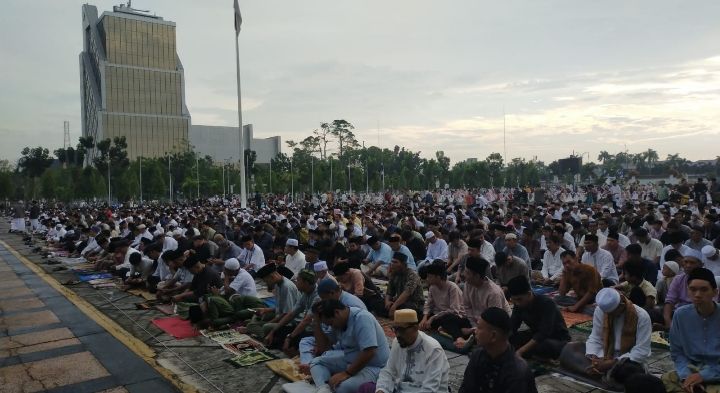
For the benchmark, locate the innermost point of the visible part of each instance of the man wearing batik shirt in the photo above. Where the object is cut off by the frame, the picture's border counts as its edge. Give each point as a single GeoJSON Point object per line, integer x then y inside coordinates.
{"type": "Point", "coordinates": [404, 288]}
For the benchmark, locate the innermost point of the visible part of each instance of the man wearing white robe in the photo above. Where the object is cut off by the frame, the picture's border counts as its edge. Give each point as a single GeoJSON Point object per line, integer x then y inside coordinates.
{"type": "Point", "coordinates": [417, 362]}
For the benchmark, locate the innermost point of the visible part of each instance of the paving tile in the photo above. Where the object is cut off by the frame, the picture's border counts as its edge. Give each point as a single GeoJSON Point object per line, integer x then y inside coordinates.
{"type": "Point", "coordinates": [118, 389]}
{"type": "Point", "coordinates": [25, 303]}
{"type": "Point", "coordinates": [14, 292]}
{"type": "Point", "coordinates": [50, 373]}
{"type": "Point", "coordinates": [22, 340]}
{"type": "Point", "coordinates": [29, 319]}
{"type": "Point", "coordinates": [39, 347]}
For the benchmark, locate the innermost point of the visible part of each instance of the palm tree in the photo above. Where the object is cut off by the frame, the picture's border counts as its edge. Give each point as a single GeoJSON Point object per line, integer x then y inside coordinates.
{"type": "Point", "coordinates": [652, 157]}
{"type": "Point", "coordinates": [604, 156]}
{"type": "Point", "coordinates": [673, 160]}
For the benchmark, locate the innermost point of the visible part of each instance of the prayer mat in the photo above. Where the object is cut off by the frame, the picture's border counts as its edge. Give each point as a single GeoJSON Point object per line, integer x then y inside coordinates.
{"type": "Point", "coordinates": [167, 309]}
{"type": "Point", "coordinates": [263, 293]}
{"type": "Point", "coordinates": [585, 327]}
{"type": "Point", "coordinates": [176, 327]}
{"type": "Point", "coordinates": [386, 325]}
{"type": "Point", "coordinates": [270, 302]}
{"type": "Point", "coordinates": [573, 318]}
{"type": "Point", "coordinates": [541, 367]}
{"type": "Point", "coordinates": [542, 290]}
{"type": "Point", "coordinates": [94, 276]}
{"type": "Point", "coordinates": [299, 387]}
{"type": "Point", "coordinates": [225, 336]}
{"type": "Point", "coordinates": [143, 293]}
{"type": "Point", "coordinates": [250, 357]}
{"type": "Point", "coordinates": [286, 368]}
{"type": "Point", "coordinates": [71, 261]}
{"type": "Point", "coordinates": [659, 340]}
{"type": "Point", "coordinates": [239, 347]}
{"type": "Point", "coordinates": [583, 379]}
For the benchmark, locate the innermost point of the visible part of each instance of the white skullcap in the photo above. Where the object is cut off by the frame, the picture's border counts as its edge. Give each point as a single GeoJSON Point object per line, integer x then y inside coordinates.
{"type": "Point", "coordinates": [672, 265]}
{"type": "Point", "coordinates": [429, 235]}
{"type": "Point", "coordinates": [708, 251]}
{"type": "Point", "coordinates": [232, 264]}
{"type": "Point", "coordinates": [320, 266]}
{"type": "Point", "coordinates": [607, 299]}
{"type": "Point", "coordinates": [693, 253]}
{"type": "Point", "coordinates": [291, 242]}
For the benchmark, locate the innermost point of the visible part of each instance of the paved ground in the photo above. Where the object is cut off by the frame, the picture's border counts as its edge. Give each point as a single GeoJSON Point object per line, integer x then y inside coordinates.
{"type": "Point", "coordinates": [48, 344]}
{"type": "Point", "coordinates": [47, 337]}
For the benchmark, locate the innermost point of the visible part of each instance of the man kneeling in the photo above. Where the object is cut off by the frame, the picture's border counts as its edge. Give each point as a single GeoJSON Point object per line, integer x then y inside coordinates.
{"type": "Point", "coordinates": [619, 344]}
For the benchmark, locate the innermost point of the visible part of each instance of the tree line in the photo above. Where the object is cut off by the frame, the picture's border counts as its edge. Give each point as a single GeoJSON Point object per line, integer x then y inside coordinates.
{"type": "Point", "coordinates": [330, 158]}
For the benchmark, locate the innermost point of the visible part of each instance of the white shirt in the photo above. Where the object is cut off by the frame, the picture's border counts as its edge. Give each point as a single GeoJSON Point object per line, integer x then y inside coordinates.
{"type": "Point", "coordinates": [712, 265]}
{"type": "Point", "coordinates": [244, 284]}
{"type": "Point", "coordinates": [603, 262]}
{"type": "Point", "coordinates": [552, 264]}
{"type": "Point", "coordinates": [162, 271]}
{"type": "Point", "coordinates": [421, 367]}
{"type": "Point", "coordinates": [252, 259]}
{"type": "Point", "coordinates": [639, 353]}
{"type": "Point", "coordinates": [437, 250]}
{"type": "Point", "coordinates": [295, 262]}
{"type": "Point", "coordinates": [487, 251]}
{"type": "Point", "coordinates": [652, 250]}
{"type": "Point", "coordinates": [169, 244]}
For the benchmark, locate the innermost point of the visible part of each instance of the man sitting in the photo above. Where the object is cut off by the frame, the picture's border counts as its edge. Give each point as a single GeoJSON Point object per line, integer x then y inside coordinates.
{"type": "Point", "coordinates": [548, 333]}
{"type": "Point", "coordinates": [204, 277]}
{"type": "Point", "coordinates": [601, 260]}
{"type": "Point", "coordinates": [404, 289]}
{"type": "Point", "coordinates": [619, 344]}
{"type": "Point", "coordinates": [286, 296]}
{"type": "Point", "coordinates": [636, 288]}
{"type": "Point", "coordinates": [552, 266]}
{"type": "Point", "coordinates": [480, 294]}
{"type": "Point", "coordinates": [695, 344]}
{"type": "Point", "coordinates": [364, 349]}
{"type": "Point", "coordinates": [293, 324]}
{"type": "Point", "coordinates": [417, 361]}
{"type": "Point", "coordinates": [677, 295]}
{"type": "Point", "coordinates": [583, 279]}
{"type": "Point", "coordinates": [444, 306]}
{"type": "Point", "coordinates": [509, 267]}
{"type": "Point", "coordinates": [237, 281]}
{"type": "Point", "coordinates": [378, 260]}
{"type": "Point", "coordinates": [495, 367]}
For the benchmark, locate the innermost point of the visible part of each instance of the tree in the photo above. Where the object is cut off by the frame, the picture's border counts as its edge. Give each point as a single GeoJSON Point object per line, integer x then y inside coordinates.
{"type": "Point", "coordinates": [342, 131]}
{"type": "Point", "coordinates": [323, 137]}
{"type": "Point", "coordinates": [34, 161]}
{"type": "Point", "coordinates": [604, 156]}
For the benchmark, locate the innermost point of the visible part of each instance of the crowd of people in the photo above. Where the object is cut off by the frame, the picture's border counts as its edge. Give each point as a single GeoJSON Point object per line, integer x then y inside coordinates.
{"type": "Point", "coordinates": [462, 265]}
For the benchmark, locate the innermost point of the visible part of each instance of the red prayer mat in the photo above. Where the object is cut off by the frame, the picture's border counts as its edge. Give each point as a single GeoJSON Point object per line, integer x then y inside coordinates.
{"type": "Point", "coordinates": [572, 318]}
{"type": "Point", "coordinates": [386, 324]}
{"type": "Point", "coordinates": [176, 327]}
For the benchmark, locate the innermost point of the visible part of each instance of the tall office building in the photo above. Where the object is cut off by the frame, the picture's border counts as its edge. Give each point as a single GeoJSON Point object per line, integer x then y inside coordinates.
{"type": "Point", "coordinates": [132, 81]}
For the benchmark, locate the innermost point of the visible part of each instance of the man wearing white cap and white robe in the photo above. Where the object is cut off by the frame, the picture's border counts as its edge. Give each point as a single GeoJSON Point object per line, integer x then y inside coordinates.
{"type": "Point", "coordinates": [436, 249]}
{"type": "Point", "coordinates": [237, 281]}
{"type": "Point", "coordinates": [294, 258]}
{"type": "Point", "coordinates": [321, 271]}
{"type": "Point", "coordinates": [417, 362]}
{"type": "Point", "coordinates": [619, 344]}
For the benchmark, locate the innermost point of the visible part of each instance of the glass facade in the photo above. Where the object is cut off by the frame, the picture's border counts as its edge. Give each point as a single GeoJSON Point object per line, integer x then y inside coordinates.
{"type": "Point", "coordinates": [140, 79]}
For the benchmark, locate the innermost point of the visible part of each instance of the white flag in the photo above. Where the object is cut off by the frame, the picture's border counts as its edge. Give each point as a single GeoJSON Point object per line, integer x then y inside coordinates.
{"type": "Point", "coordinates": [238, 18]}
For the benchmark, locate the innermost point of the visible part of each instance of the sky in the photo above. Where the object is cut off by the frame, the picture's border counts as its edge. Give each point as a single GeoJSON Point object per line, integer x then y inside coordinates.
{"type": "Point", "coordinates": [565, 76]}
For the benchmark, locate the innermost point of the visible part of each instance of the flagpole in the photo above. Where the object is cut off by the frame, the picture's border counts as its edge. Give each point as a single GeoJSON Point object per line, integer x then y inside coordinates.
{"type": "Point", "coordinates": [243, 190]}
{"type": "Point", "coordinates": [141, 195]}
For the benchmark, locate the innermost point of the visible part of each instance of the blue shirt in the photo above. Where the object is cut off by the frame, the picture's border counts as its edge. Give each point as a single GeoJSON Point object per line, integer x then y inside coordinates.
{"type": "Point", "coordinates": [363, 332]}
{"type": "Point", "coordinates": [383, 254]}
{"type": "Point", "coordinates": [695, 343]}
{"type": "Point", "coordinates": [410, 259]}
{"type": "Point", "coordinates": [351, 300]}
